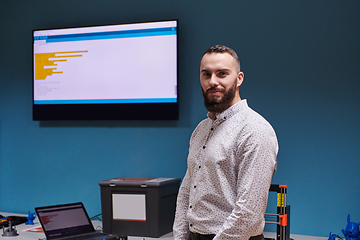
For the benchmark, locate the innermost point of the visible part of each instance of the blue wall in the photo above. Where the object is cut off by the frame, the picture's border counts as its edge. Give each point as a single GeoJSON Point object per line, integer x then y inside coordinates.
{"type": "Point", "coordinates": [301, 61]}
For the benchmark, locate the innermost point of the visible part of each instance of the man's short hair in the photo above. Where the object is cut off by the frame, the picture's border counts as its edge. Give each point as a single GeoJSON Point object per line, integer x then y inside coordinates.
{"type": "Point", "coordinates": [223, 49]}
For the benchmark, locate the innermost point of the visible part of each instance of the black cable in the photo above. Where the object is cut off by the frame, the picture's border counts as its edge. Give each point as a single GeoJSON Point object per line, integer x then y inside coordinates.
{"type": "Point", "coordinates": [96, 217]}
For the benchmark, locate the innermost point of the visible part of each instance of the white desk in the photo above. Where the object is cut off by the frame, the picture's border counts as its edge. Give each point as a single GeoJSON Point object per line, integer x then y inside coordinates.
{"type": "Point", "coordinates": [24, 235]}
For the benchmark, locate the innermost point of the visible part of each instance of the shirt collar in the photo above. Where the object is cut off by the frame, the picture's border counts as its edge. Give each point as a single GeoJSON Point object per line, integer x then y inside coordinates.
{"type": "Point", "coordinates": [228, 113]}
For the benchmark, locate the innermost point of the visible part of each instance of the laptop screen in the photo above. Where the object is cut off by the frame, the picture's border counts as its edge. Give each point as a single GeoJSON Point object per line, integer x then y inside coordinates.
{"type": "Point", "coordinates": [64, 220]}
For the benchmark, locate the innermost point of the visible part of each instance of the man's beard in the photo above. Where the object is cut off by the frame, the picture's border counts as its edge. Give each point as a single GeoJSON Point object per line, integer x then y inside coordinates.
{"type": "Point", "coordinates": [217, 104]}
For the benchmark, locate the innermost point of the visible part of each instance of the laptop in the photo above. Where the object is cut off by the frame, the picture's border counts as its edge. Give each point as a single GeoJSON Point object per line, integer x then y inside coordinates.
{"type": "Point", "coordinates": [69, 221]}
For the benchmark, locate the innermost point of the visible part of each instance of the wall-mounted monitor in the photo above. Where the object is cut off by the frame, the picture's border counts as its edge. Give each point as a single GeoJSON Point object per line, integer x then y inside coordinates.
{"type": "Point", "coordinates": [113, 72]}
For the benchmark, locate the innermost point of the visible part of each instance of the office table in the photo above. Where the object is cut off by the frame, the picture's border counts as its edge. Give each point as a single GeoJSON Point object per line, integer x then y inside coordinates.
{"type": "Point", "coordinates": [25, 235]}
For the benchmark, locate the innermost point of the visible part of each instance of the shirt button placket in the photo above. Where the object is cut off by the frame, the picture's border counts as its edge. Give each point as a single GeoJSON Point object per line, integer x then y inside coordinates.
{"type": "Point", "coordinates": [200, 162]}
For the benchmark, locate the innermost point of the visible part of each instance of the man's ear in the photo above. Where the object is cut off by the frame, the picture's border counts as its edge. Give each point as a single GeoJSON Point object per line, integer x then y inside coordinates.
{"type": "Point", "coordinates": [240, 78]}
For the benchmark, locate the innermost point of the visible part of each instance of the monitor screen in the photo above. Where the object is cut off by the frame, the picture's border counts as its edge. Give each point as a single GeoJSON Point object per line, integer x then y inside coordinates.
{"type": "Point", "coordinates": [113, 72]}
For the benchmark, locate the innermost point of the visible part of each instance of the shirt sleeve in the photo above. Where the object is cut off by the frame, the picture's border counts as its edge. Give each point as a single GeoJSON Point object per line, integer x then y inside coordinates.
{"type": "Point", "coordinates": [257, 160]}
{"type": "Point", "coordinates": [181, 226]}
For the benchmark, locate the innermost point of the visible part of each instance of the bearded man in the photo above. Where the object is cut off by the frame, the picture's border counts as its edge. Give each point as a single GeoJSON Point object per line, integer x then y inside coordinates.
{"type": "Point", "coordinates": [232, 156]}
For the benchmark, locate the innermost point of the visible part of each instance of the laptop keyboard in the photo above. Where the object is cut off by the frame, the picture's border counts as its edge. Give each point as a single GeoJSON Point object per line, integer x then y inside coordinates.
{"type": "Point", "coordinates": [87, 236]}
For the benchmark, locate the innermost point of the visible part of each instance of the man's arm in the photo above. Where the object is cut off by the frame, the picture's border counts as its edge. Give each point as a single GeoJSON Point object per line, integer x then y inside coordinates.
{"type": "Point", "coordinates": [257, 163]}
{"type": "Point", "coordinates": [181, 226]}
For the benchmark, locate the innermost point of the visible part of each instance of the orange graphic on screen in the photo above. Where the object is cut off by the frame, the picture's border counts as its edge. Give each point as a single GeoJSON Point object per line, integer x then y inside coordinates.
{"type": "Point", "coordinates": [45, 67]}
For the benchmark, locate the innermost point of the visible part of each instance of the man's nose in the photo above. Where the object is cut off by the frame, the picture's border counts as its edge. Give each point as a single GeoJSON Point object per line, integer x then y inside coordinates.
{"type": "Point", "coordinates": [214, 80]}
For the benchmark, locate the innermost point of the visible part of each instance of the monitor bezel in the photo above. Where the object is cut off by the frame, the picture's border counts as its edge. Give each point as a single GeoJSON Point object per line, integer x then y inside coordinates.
{"type": "Point", "coordinates": [114, 111]}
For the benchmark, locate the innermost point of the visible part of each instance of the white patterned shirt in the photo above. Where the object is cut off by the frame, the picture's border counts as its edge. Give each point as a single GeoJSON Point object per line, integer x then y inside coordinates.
{"type": "Point", "coordinates": [230, 164]}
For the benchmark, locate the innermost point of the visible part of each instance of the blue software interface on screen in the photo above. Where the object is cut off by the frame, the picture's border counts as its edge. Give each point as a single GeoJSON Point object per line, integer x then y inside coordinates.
{"type": "Point", "coordinates": [129, 63]}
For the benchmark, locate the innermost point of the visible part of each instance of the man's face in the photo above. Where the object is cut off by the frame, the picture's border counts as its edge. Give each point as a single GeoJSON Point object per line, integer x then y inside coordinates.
{"type": "Point", "coordinates": [220, 78]}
